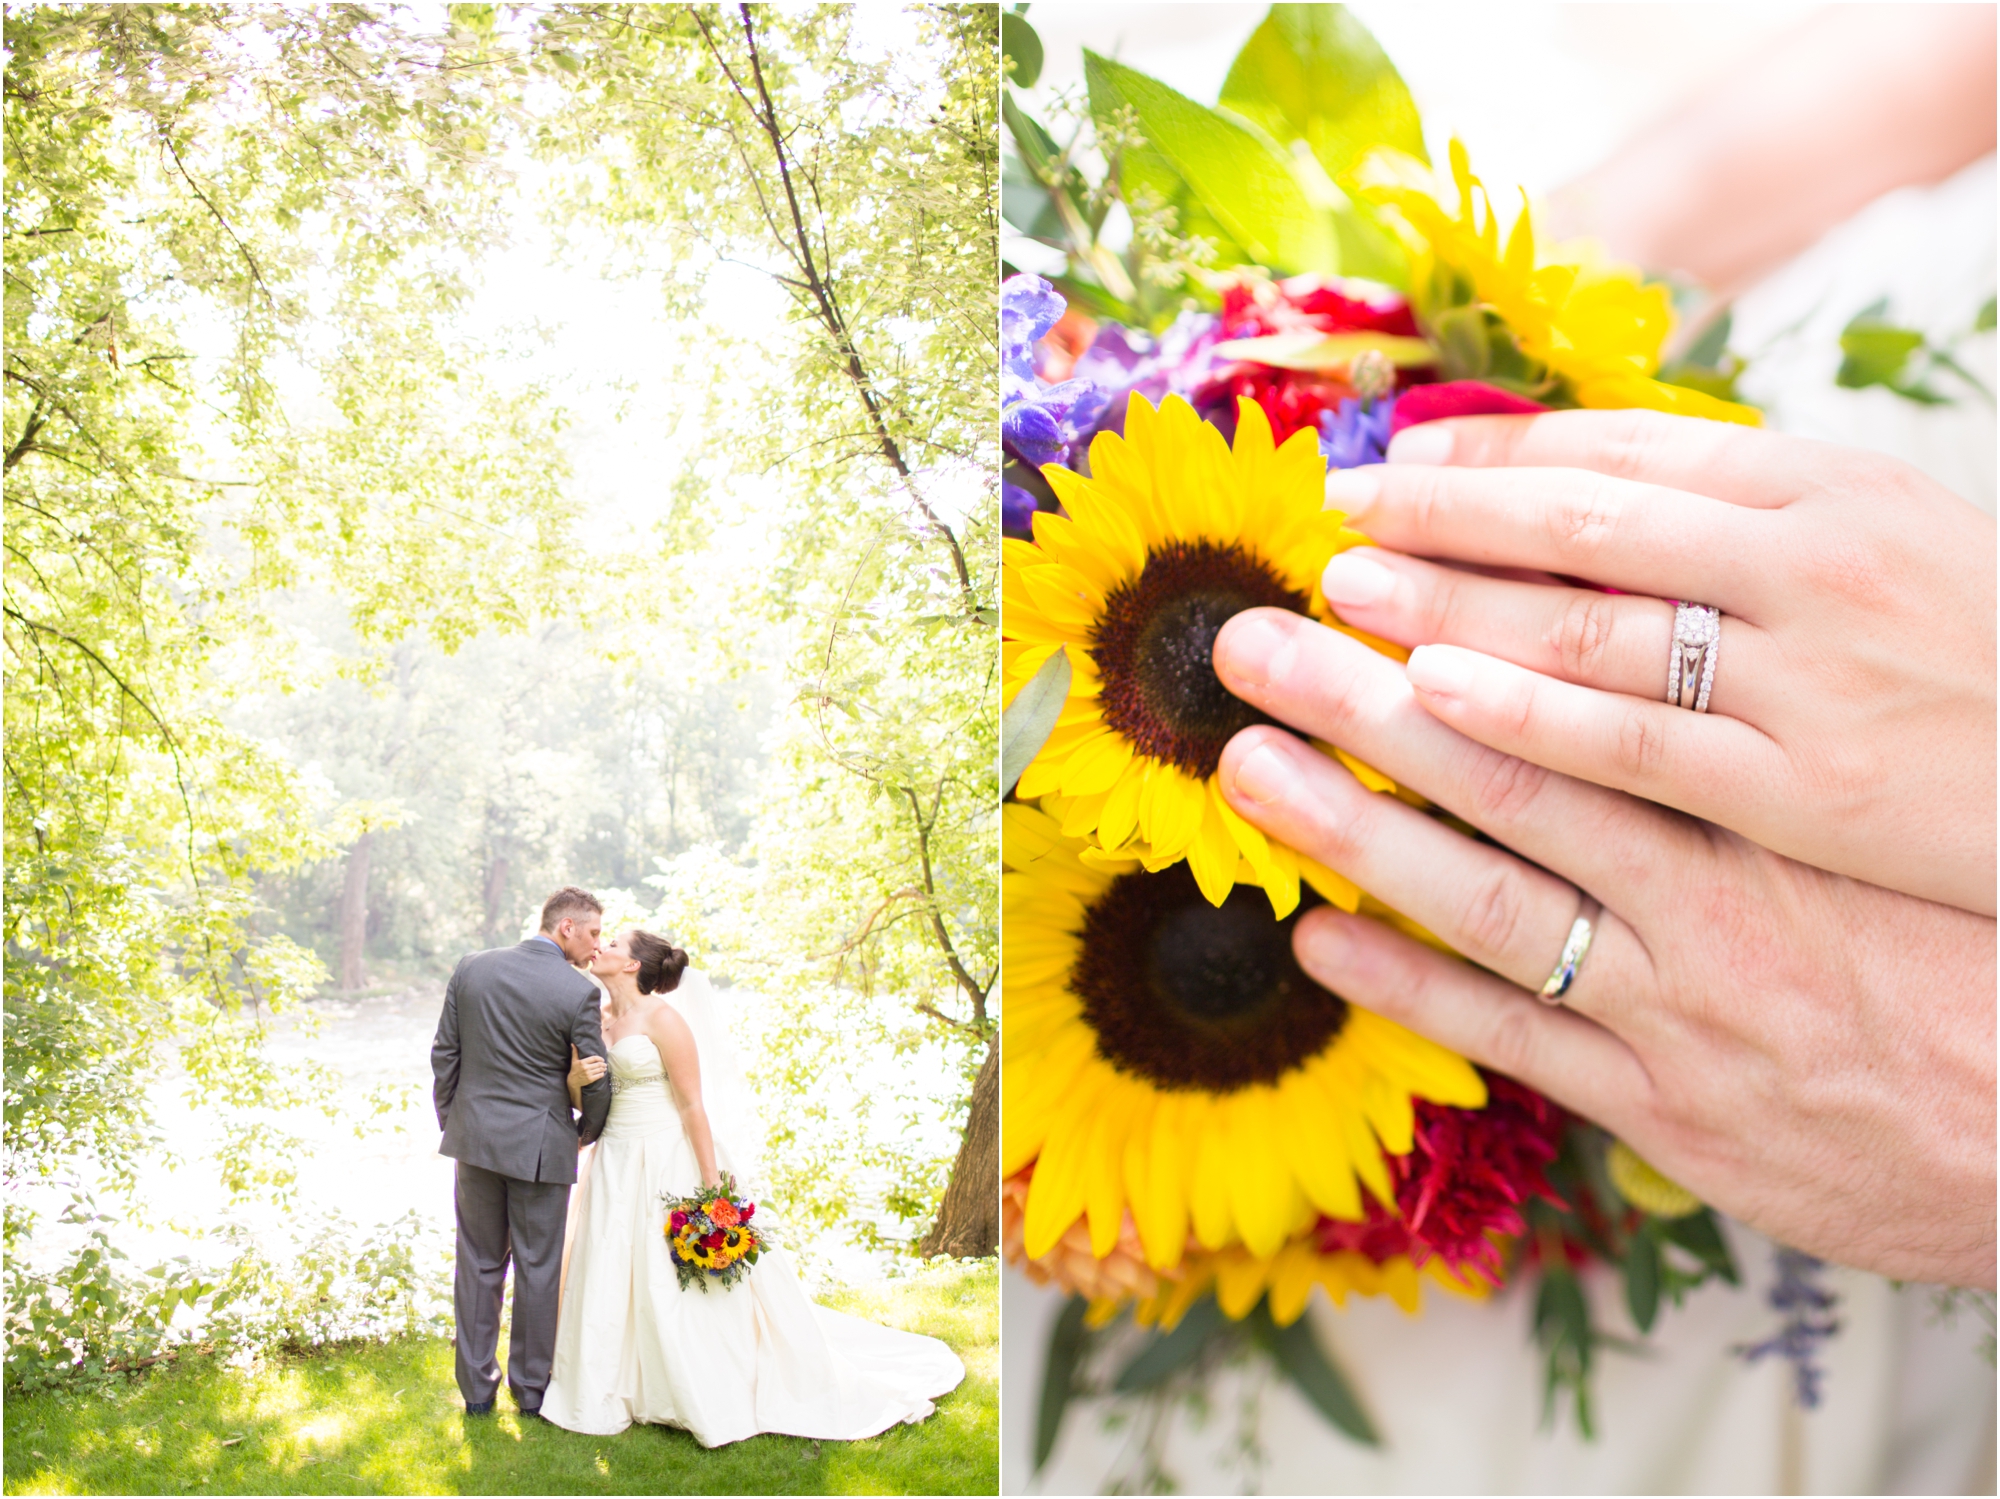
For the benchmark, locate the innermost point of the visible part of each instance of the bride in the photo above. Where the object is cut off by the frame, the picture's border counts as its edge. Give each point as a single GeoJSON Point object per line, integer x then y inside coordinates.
{"type": "Point", "coordinates": [725, 1362]}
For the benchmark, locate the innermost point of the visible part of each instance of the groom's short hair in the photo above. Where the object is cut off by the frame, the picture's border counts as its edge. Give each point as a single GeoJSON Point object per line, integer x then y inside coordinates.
{"type": "Point", "coordinates": [568, 901]}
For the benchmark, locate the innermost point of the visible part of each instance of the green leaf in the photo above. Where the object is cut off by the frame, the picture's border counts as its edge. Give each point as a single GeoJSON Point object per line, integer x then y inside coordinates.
{"type": "Point", "coordinates": [1874, 353]}
{"type": "Point", "coordinates": [1238, 173]}
{"type": "Point", "coordinates": [1701, 1236]}
{"type": "Point", "coordinates": [1562, 1327]}
{"type": "Point", "coordinates": [1642, 1278]}
{"type": "Point", "coordinates": [1028, 721]}
{"type": "Point", "coordinates": [1314, 73]}
{"type": "Point", "coordinates": [1314, 1374]}
{"type": "Point", "coordinates": [1708, 350]}
{"type": "Point", "coordinates": [1983, 323]}
{"type": "Point", "coordinates": [1066, 1345]}
{"type": "Point", "coordinates": [1165, 1354]}
{"type": "Point", "coordinates": [1020, 46]}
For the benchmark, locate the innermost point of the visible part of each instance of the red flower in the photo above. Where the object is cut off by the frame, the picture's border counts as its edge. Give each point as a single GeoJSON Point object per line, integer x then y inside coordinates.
{"type": "Point", "coordinates": [1465, 1181]}
{"type": "Point", "coordinates": [714, 1240]}
{"type": "Point", "coordinates": [1431, 403]}
{"type": "Point", "coordinates": [748, 1209]}
{"type": "Point", "coordinates": [1292, 399]}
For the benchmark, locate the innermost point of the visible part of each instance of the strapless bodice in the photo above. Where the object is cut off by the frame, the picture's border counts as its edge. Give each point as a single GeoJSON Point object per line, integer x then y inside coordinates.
{"type": "Point", "coordinates": [642, 1097]}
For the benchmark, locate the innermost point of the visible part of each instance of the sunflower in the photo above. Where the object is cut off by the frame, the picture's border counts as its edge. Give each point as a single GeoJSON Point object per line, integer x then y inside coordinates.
{"type": "Point", "coordinates": [1166, 1054]}
{"type": "Point", "coordinates": [1239, 1280]}
{"type": "Point", "coordinates": [1594, 325]}
{"type": "Point", "coordinates": [1174, 532]}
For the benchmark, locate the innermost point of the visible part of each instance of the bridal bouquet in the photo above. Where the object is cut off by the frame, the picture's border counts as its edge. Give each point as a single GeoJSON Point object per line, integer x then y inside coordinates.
{"type": "Point", "coordinates": [1195, 1134]}
{"type": "Point", "coordinates": [709, 1236]}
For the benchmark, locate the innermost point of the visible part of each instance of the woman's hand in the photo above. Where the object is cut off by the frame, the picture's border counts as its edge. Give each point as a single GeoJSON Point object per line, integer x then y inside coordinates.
{"type": "Point", "coordinates": [583, 1071]}
{"type": "Point", "coordinates": [1852, 719]}
{"type": "Point", "coordinates": [1809, 1053]}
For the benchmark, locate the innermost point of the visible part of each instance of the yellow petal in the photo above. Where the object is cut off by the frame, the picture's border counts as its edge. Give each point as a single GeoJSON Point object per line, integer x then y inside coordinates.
{"type": "Point", "coordinates": [1162, 1212]}
{"type": "Point", "coordinates": [1262, 1189]}
{"type": "Point", "coordinates": [1212, 857]}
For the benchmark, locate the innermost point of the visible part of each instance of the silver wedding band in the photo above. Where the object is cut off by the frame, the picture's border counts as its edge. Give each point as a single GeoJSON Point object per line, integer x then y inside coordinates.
{"type": "Point", "coordinates": [1580, 932]}
{"type": "Point", "coordinates": [1697, 638]}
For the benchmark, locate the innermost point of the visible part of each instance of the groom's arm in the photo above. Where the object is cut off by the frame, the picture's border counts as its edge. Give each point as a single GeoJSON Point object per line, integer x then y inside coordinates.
{"type": "Point", "coordinates": [444, 1051]}
{"type": "Point", "coordinates": [587, 1036]}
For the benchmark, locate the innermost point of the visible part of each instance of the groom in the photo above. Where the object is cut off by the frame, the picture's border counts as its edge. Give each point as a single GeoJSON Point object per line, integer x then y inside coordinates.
{"type": "Point", "coordinates": [501, 1060]}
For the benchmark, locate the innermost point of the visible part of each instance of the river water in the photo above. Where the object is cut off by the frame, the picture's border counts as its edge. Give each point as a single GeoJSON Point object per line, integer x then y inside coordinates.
{"type": "Point", "coordinates": [371, 1168]}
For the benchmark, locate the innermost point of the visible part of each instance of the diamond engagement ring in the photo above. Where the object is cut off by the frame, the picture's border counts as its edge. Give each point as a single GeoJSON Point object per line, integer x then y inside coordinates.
{"type": "Point", "coordinates": [1697, 638]}
{"type": "Point", "coordinates": [1580, 932]}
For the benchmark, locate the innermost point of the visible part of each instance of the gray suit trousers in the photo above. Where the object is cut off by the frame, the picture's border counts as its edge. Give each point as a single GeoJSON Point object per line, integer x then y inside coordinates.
{"type": "Point", "coordinates": [503, 1217]}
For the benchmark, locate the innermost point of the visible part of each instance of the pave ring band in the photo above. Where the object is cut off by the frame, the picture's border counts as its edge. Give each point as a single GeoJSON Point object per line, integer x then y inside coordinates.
{"type": "Point", "coordinates": [1697, 638]}
{"type": "Point", "coordinates": [1580, 932]}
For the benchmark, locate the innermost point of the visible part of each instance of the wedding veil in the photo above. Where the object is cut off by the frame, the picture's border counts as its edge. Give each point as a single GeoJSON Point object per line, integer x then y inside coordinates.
{"type": "Point", "coordinates": [733, 1115]}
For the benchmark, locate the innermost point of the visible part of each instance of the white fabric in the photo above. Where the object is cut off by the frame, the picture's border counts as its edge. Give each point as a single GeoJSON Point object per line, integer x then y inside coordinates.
{"type": "Point", "coordinates": [1457, 1395]}
{"type": "Point", "coordinates": [725, 1364]}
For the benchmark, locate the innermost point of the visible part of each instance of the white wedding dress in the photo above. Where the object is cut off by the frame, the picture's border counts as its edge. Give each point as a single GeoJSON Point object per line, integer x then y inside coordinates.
{"type": "Point", "coordinates": [725, 1364]}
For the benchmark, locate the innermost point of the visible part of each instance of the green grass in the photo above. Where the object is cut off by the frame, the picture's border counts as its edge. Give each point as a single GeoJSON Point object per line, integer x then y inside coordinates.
{"type": "Point", "coordinates": [386, 1418]}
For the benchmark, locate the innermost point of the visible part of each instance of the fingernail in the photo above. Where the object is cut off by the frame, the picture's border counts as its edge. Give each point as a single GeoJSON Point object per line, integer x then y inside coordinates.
{"type": "Point", "coordinates": [1352, 489]}
{"type": "Point", "coordinates": [1354, 579]}
{"type": "Point", "coordinates": [1442, 669]}
{"type": "Point", "coordinates": [1263, 776]}
{"type": "Point", "coordinates": [1322, 943]}
{"type": "Point", "coordinates": [1429, 443]}
{"type": "Point", "coordinates": [1254, 648]}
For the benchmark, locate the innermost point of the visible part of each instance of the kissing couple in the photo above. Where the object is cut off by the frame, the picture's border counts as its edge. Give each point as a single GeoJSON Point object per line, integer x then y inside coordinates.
{"type": "Point", "coordinates": [570, 1043]}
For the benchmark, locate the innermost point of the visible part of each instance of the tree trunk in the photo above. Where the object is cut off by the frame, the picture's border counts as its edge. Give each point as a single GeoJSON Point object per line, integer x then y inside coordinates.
{"type": "Point", "coordinates": [968, 1220]}
{"type": "Point", "coordinates": [354, 914]}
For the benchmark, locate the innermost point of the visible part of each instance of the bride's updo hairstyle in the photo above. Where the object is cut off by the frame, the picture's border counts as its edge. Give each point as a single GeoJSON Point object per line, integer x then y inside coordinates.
{"type": "Point", "coordinates": [660, 962]}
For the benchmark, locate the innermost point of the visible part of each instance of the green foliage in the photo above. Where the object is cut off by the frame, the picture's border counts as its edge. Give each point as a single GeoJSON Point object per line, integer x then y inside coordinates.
{"type": "Point", "coordinates": [1314, 73]}
{"type": "Point", "coordinates": [1159, 1366]}
{"type": "Point", "coordinates": [1875, 351]}
{"type": "Point", "coordinates": [1021, 49]}
{"type": "Point", "coordinates": [861, 186]}
{"type": "Point", "coordinates": [1265, 179]}
{"type": "Point", "coordinates": [234, 239]}
{"type": "Point", "coordinates": [90, 1322]}
{"type": "Point", "coordinates": [386, 1417]}
{"type": "Point", "coordinates": [1236, 172]}
{"type": "Point", "coordinates": [1031, 718]}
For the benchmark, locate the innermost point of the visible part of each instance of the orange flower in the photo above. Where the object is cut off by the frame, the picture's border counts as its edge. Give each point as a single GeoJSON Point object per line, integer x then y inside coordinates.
{"type": "Point", "coordinates": [722, 1213]}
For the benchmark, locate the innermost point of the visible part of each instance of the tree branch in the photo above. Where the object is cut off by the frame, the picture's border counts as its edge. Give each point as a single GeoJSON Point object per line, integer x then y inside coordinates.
{"type": "Point", "coordinates": [825, 305]}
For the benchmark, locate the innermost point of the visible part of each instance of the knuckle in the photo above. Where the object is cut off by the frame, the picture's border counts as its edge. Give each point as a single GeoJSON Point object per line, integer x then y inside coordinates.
{"type": "Point", "coordinates": [1443, 612]}
{"type": "Point", "coordinates": [1503, 788]}
{"type": "Point", "coordinates": [1492, 917]}
{"type": "Point", "coordinates": [1583, 636]}
{"type": "Point", "coordinates": [1580, 524]}
{"type": "Point", "coordinates": [1511, 1037]}
{"type": "Point", "coordinates": [1640, 747]}
{"type": "Point", "coordinates": [1632, 443]}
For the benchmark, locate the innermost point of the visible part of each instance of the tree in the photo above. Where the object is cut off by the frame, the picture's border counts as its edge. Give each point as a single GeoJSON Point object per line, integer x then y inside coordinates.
{"type": "Point", "coordinates": [207, 204]}
{"type": "Point", "coordinates": [864, 186]}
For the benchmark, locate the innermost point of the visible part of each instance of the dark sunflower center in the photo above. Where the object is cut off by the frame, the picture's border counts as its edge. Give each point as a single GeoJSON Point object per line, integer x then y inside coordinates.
{"type": "Point", "coordinates": [1193, 996]}
{"type": "Point", "coordinates": [1153, 646]}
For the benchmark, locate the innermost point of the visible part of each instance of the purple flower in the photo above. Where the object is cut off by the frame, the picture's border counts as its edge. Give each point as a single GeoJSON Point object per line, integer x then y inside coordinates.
{"type": "Point", "coordinates": [1039, 423]}
{"type": "Point", "coordinates": [1124, 362]}
{"type": "Point", "coordinates": [1356, 433]}
{"type": "Point", "coordinates": [1806, 1306]}
{"type": "Point", "coordinates": [1017, 507]}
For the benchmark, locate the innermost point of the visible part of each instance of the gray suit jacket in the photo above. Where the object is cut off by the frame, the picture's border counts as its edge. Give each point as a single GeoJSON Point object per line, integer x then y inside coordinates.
{"type": "Point", "coordinates": [501, 1061]}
